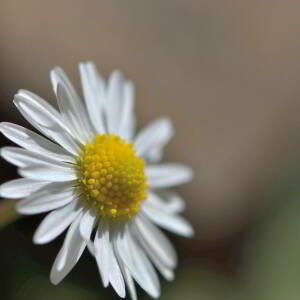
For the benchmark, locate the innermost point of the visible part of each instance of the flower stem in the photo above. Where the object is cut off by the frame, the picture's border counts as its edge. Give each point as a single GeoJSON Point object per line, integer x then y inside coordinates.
{"type": "Point", "coordinates": [8, 213]}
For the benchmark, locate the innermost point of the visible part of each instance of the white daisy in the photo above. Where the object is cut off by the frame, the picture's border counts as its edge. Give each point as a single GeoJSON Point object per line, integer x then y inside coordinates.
{"type": "Point", "coordinates": [91, 172]}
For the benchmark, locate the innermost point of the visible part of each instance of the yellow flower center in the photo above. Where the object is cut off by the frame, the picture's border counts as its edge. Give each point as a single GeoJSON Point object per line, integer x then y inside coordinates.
{"type": "Point", "coordinates": [112, 177]}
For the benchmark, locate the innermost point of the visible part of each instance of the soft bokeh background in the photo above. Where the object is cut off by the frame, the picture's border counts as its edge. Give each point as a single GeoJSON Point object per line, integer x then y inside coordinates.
{"type": "Point", "coordinates": [228, 74]}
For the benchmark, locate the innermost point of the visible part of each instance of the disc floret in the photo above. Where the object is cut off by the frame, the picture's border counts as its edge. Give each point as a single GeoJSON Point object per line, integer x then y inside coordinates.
{"type": "Point", "coordinates": [112, 177]}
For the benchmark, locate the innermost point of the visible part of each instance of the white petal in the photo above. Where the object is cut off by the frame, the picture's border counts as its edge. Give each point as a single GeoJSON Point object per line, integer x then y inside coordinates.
{"type": "Point", "coordinates": [102, 255]}
{"type": "Point", "coordinates": [65, 104]}
{"type": "Point", "coordinates": [154, 136]}
{"type": "Point", "coordinates": [166, 175]}
{"type": "Point", "coordinates": [154, 154]}
{"type": "Point", "coordinates": [51, 197]}
{"type": "Point", "coordinates": [127, 118]}
{"type": "Point", "coordinates": [157, 260]}
{"type": "Point", "coordinates": [70, 104]}
{"type": "Point", "coordinates": [69, 254]}
{"type": "Point", "coordinates": [20, 188]}
{"type": "Point", "coordinates": [166, 272]}
{"type": "Point", "coordinates": [48, 173]}
{"type": "Point", "coordinates": [167, 201]}
{"type": "Point", "coordinates": [34, 142]}
{"type": "Point", "coordinates": [171, 222]}
{"type": "Point", "coordinates": [115, 276]}
{"type": "Point", "coordinates": [86, 227]}
{"type": "Point", "coordinates": [157, 242]}
{"type": "Point", "coordinates": [145, 267]}
{"type": "Point", "coordinates": [94, 94]}
{"type": "Point", "coordinates": [138, 264]}
{"type": "Point", "coordinates": [39, 104]}
{"type": "Point", "coordinates": [55, 223]}
{"type": "Point", "coordinates": [129, 281]}
{"type": "Point", "coordinates": [24, 158]}
{"type": "Point", "coordinates": [114, 101]}
{"type": "Point", "coordinates": [46, 119]}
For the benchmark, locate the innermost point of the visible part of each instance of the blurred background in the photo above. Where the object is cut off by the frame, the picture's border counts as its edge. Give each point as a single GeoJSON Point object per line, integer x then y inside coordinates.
{"type": "Point", "coordinates": [228, 74]}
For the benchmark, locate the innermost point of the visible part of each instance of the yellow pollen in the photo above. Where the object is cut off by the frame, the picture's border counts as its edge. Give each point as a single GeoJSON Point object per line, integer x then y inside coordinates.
{"type": "Point", "coordinates": [112, 177]}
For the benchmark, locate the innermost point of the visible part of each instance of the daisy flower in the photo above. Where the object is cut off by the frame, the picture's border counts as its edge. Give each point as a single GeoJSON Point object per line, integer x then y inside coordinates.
{"type": "Point", "coordinates": [98, 179]}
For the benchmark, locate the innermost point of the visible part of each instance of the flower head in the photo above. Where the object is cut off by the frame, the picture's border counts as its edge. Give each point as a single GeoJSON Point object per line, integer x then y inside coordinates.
{"type": "Point", "coordinates": [98, 179]}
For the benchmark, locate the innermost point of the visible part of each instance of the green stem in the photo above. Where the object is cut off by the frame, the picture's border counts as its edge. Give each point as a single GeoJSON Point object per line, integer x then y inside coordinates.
{"type": "Point", "coordinates": [8, 213]}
